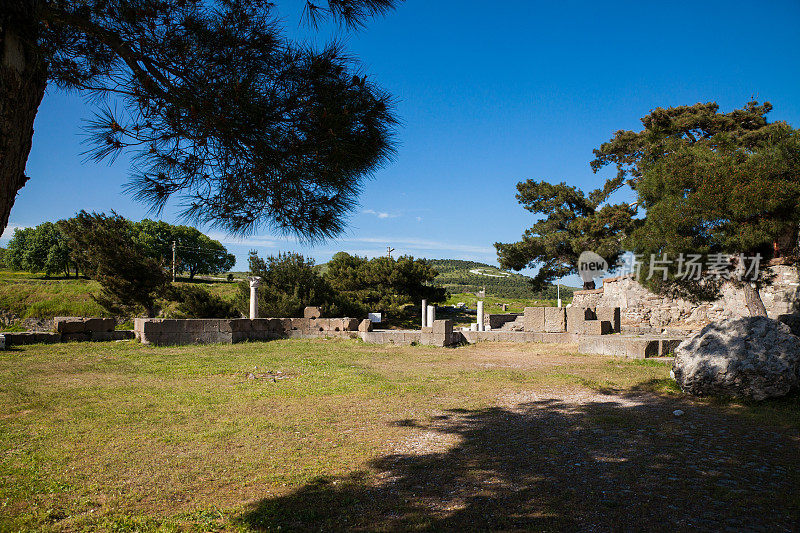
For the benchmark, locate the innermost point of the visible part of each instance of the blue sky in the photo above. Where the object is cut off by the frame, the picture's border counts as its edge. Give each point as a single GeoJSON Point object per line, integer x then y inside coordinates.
{"type": "Point", "coordinates": [489, 94]}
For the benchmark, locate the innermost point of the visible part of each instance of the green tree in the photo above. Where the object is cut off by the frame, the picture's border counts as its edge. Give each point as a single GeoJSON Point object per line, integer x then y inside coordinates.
{"type": "Point", "coordinates": [130, 279]}
{"type": "Point", "coordinates": [217, 106]}
{"type": "Point", "coordinates": [725, 187]}
{"type": "Point", "coordinates": [573, 223]}
{"type": "Point", "coordinates": [383, 283]}
{"type": "Point", "coordinates": [718, 186]}
{"type": "Point", "coordinates": [196, 252]}
{"type": "Point", "coordinates": [40, 249]}
{"type": "Point", "coordinates": [289, 283]}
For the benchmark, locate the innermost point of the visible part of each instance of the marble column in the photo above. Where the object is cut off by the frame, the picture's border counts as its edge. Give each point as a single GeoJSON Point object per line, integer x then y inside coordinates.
{"type": "Point", "coordinates": [424, 313]}
{"type": "Point", "coordinates": [255, 281]}
{"type": "Point", "coordinates": [480, 315]}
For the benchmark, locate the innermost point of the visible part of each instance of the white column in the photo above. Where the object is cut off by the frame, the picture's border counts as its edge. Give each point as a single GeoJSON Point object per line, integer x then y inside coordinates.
{"type": "Point", "coordinates": [255, 281]}
{"type": "Point", "coordinates": [480, 315]}
{"type": "Point", "coordinates": [431, 315]}
{"type": "Point", "coordinates": [424, 313]}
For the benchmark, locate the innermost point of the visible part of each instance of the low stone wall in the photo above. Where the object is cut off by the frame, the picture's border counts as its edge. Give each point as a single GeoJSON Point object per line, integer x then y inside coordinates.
{"type": "Point", "coordinates": [45, 337]}
{"type": "Point", "coordinates": [473, 337]}
{"type": "Point", "coordinates": [630, 346]}
{"type": "Point", "coordinates": [642, 310]}
{"type": "Point", "coordinates": [163, 331]}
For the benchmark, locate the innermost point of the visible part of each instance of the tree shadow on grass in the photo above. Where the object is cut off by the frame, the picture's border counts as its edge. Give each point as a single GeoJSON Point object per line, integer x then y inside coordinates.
{"type": "Point", "coordinates": [624, 462]}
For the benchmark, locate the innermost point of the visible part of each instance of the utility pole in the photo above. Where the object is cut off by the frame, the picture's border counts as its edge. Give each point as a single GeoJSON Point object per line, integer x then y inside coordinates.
{"type": "Point", "coordinates": [174, 257]}
{"type": "Point", "coordinates": [389, 251]}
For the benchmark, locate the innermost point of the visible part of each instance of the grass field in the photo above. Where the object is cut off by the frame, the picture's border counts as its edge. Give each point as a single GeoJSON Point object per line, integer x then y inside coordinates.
{"type": "Point", "coordinates": [339, 435]}
{"type": "Point", "coordinates": [28, 295]}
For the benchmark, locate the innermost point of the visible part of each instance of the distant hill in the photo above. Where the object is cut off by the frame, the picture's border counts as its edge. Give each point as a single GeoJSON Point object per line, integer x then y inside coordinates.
{"type": "Point", "coordinates": [469, 276]}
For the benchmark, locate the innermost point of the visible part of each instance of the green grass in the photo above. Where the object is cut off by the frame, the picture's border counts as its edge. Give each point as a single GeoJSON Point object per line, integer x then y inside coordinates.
{"type": "Point", "coordinates": [126, 437]}
{"type": "Point", "coordinates": [28, 295]}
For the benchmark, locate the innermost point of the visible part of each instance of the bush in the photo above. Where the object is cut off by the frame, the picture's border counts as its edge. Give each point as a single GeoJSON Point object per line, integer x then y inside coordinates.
{"type": "Point", "coordinates": [197, 302]}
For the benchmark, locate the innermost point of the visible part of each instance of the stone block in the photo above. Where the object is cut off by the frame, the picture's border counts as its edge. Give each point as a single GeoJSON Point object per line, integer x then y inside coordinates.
{"type": "Point", "coordinates": [259, 324]}
{"type": "Point", "coordinates": [555, 319]}
{"type": "Point", "coordinates": [350, 324]}
{"type": "Point", "coordinates": [534, 319]}
{"type": "Point", "coordinates": [212, 325]}
{"type": "Point", "coordinates": [148, 325]}
{"type": "Point", "coordinates": [641, 348]}
{"type": "Point", "coordinates": [75, 337]}
{"type": "Point", "coordinates": [323, 325]}
{"type": "Point", "coordinates": [69, 324]}
{"type": "Point", "coordinates": [596, 327]}
{"type": "Point", "coordinates": [442, 327]}
{"type": "Point", "coordinates": [298, 324]}
{"type": "Point", "coordinates": [172, 325]}
{"type": "Point", "coordinates": [312, 312]}
{"type": "Point", "coordinates": [612, 315]}
{"type": "Point", "coordinates": [102, 336]}
{"type": "Point", "coordinates": [99, 324]}
{"type": "Point", "coordinates": [429, 339]}
{"type": "Point", "coordinates": [576, 316]}
{"type": "Point", "coordinates": [365, 326]}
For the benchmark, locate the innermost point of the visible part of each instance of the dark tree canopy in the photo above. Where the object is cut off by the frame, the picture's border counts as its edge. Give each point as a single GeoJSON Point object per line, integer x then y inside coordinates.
{"type": "Point", "coordinates": [220, 111]}
{"type": "Point", "coordinates": [572, 223]}
{"type": "Point", "coordinates": [383, 283]}
{"type": "Point", "coordinates": [707, 183]}
{"type": "Point", "coordinates": [104, 245]}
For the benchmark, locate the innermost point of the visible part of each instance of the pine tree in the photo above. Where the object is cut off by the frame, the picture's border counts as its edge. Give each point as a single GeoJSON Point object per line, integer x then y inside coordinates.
{"type": "Point", "coordinates": [720, 188]}
{"type": "Point", "coordinates": [219, 110]}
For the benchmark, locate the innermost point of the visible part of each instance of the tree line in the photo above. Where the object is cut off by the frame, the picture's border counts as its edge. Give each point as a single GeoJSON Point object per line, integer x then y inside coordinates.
{"type": "Point", "coordinates": [58, 247]}
{"type": "Point", "coordinates": [349, 286]}
{"type": "Point", "coordinates": [131, 261]}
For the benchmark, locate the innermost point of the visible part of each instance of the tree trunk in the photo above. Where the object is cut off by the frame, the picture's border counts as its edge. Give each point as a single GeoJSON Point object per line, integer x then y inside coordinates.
{"type": "Point", "coordinates": [753, 300]}
{"type": "Point", "coordinates": [23, 78]}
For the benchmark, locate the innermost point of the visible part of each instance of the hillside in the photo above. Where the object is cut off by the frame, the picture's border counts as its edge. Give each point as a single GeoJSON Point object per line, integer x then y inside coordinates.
{"type": "Point", "coordinates": [459, 276]}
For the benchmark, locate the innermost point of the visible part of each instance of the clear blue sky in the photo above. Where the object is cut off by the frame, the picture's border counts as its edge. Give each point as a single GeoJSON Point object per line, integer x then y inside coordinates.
{"type": "Point", "coordinates": [489, 94]}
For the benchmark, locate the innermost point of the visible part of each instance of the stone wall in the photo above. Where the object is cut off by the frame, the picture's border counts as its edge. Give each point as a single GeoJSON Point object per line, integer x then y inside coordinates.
{"type": "Point", "coordinates": [163, 331]}
{"type": "Point", "coordinates": [643, 311]}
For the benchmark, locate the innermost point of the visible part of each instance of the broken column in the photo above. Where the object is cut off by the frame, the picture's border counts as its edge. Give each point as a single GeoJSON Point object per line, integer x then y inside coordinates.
{"type": "Point", "coordinates": [480, 315]}
{"type": "Point", "coordinates": [424, 313]}
{"type": "Point", "coordinates": [255, 281]}
{"type": "Point", "coordinates": [431, 316]}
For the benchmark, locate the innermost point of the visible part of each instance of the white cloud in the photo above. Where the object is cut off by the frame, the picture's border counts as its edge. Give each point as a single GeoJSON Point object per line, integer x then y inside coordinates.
{"type": "Point", "coordinates": [419, 219]}
{"type": "Point", "coordinates": [380, 214]}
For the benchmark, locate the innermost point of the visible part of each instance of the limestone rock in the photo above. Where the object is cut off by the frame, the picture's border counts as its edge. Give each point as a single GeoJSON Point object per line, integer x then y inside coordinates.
{"type": "Point", "coordinates": [755, 357]}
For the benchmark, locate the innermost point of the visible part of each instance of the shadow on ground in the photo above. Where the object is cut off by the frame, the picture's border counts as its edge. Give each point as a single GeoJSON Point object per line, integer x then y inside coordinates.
{"type": "Point", "coordinates": [614, 462]}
